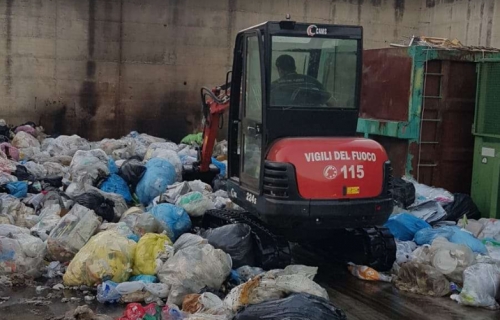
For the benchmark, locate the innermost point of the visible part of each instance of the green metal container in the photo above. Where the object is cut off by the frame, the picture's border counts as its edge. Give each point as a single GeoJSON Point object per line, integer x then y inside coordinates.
{"type": "Point", "coordinates": [486, 168]}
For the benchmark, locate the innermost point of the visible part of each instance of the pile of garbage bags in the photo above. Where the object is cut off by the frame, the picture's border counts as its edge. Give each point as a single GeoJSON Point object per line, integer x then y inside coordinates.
{"type": "Point", "coordinates": [115, 216]}
{"type": "Point", "coordinates": [444, 247]}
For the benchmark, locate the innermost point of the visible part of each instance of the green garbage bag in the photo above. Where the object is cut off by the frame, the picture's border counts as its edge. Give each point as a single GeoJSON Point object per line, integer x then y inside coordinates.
{"type": "Point", "coordinates": [193, 138]}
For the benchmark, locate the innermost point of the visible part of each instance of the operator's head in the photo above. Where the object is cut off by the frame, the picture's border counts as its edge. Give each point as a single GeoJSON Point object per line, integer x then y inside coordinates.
{"type": "Point", "coordinates": [285, 64]}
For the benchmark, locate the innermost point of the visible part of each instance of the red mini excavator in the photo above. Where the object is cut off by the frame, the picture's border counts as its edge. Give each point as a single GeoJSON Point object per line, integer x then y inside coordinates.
{"type": "Point", "coordinates": [294, 161]}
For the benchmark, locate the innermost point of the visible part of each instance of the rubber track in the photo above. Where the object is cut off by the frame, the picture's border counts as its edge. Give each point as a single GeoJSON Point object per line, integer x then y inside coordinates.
{"type": "Point", "coordinates": [274, 251]}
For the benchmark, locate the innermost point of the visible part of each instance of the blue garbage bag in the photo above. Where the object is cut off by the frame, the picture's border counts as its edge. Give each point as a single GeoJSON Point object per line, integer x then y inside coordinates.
{"type": "Point", "coordinates": [115, 184]}
{"type": "Point", "coordinates": [112, 166]}
{"type": "Point", "coordinates": [106, 292]}
{"type": "Point", "coordinates": [173, 219]}
{"type": "Point", "coordinates": [452, 234]}
{"type": "Point", "coordinates": [144, 278]}
{"type": "Point", "coordinates": [159, 174]}
{"type": "Point", "coordinates": [404, 226]}
{"type": "Point", "coordinates": [18, 189]}
{"type": "Point", "coordinates": [220, 165]}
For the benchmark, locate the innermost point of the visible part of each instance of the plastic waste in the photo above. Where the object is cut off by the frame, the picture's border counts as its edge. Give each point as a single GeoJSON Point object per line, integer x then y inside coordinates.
{"type": "Point", "coordinates": [21, 253]}
{"type": "Point", "coordinates": [106, 292]}
{"type": "Point", "coordinates": [65, 145]}
{"type": "Point", "coordinates": [436, 194]}
{"type": "Point", "coordinates": [404, 226]}
{"type": "Point", "coordinates": [450, 259]}
{"type": "Point", "coordinates": [6, 178]}
{"type": "Point", "coordinates": [49, 217]}
{"type": "Point", "coordinates": [171, 156]}
{"type": "Point", "coordinates": [462, 205]}
{"type": "Point", "coordinates": [174, 220]}
{"type": "Point", "coordinates": [220, 165]}
{"type": "Point", "coordinates": [195, 203]}
{"type": "Point", "coordinates": [129, 287]}
{"type": "Point", "coordinates": [71, 233]}
{"type": "Point", "coordinates": [491, 229]}
{"type": "Point", "coordinates": [54, 169]}
{"type": "Point", "coordinates": [149, 249]}
{"type": "Point", "coordinates": [428, 210]}
{"type": "Point", "coordinates": [452, 234]}
{"type": "Point", "coordinates": [367, 273]}
{"type": "Point", "coordinates": [159, 174]}
{"type": "Point", "coordinates": [212, 268]}
{"type": "Point", "coordinates": [195, 138]}
{"type": "Point", "coordinates": [24, 140]}
{"type": "Point", "coordinates": [18, 189]}
{"type": "Point", "coordinates": [141, 222]}
{"type": "Point", "coordinates": [103, 207]}
{"type": "Point", "coordinates": [187, 240]}
{"type": "Point", "coordinates": [107, 255]}
{"type": "Point", "coordinates": [234, 239]}
{"type": "Point", "coordinates": [404, 251]}
{"type": "Point", "coordinates": [144, 278]}
{"type": "Point", "coordinates": [10, 151]}
{"type": "Point", "coordinates": [296, 306]}
{"type": "Point", "coordinates": [473, 226]}
{"type": "Point", "coordinates": [273, 285]}
{"type": "Point", "coordinates": [89, 167]}
{"type": "Point", "coordinates": [175, 191]}
{"type": "Point", "coordinates": [36, 169]}
{"type": "Point", "coordinates": [9, 229]}
{"type": "Point", "coordinates": [132, 171]}
{"type": "Point", "coordinates": [481, 286]}
{"type": "Point", "coordinates": [403, 192]}
{"type": "Point", "coordinates": [246, 273]}
{"type": "Point", "coordinates": [115, 184]}
{"type": "Point", "coordinates": [423, 279]}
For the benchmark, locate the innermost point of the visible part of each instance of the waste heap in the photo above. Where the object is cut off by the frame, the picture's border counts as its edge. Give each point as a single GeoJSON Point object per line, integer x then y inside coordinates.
{"type": "Point", "coordinates": [113, 216]}
{"type": "Point", "coordinates": [444, 247]}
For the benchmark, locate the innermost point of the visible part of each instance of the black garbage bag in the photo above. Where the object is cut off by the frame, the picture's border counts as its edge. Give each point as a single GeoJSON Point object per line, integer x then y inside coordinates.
{"type": "Point", "coordinates": [403, 192]}
{"type": "Point", "coordinates": [299, 306]}
{"type": "Point", "coordinates": [102, 207]}
{"type": "Point", "coordinates": [462, 205]}
{"type": "Point", "coordinates": [23, 174]}
{"type": "Point", "coordinates": [132, 171]}
{"type": "Point", "coordinates": [53, 181]}
{"type": "Point", "coordinates": [236, 240]}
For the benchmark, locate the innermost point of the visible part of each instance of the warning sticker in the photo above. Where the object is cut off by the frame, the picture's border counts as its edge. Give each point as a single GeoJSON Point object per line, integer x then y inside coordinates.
{"type": "Point", "coordinates": [352, 190]}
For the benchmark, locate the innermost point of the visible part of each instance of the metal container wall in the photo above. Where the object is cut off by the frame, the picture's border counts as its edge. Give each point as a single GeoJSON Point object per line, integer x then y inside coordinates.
{"type": "Point", "coordinates": [419, 104]}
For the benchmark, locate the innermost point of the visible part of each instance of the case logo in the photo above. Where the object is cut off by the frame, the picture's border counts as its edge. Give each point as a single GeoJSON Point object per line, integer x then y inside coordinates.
{"type": "Point", "coordinates": [313, 30]}
{"type": "Point", "coordinates": [330, 172]}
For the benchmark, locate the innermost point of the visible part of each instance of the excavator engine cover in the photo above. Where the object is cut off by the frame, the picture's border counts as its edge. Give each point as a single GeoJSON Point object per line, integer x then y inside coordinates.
{"type": "Point", "coordinates": [333, 168]}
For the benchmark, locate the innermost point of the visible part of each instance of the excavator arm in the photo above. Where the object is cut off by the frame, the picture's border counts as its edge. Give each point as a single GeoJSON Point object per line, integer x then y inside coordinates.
{"type": "Point", "coordinates": [214, 103]}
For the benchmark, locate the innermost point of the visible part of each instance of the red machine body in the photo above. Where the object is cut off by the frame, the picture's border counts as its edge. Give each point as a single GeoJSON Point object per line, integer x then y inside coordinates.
{"type": "Point", "coordinates": [333, 168]}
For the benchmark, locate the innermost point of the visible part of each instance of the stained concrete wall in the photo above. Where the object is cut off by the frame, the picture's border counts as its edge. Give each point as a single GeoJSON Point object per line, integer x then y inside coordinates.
{"type": "Point", "coordinates": [473, 22]}
{"type": "Point", "coordinates": [104, 67]}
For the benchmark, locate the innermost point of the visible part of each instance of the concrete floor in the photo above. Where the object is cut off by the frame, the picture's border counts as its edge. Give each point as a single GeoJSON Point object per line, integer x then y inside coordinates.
{"type": "Point", "coordinates": [359, 299]}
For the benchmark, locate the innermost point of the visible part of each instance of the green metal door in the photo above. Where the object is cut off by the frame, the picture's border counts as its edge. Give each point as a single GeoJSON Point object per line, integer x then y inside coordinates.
{"type": "Point", "coordinates": [486, 171]}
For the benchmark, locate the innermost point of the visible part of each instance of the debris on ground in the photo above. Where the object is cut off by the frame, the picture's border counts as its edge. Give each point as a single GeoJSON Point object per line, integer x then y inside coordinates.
{"type": "Point", "coordinates": [113, 221]}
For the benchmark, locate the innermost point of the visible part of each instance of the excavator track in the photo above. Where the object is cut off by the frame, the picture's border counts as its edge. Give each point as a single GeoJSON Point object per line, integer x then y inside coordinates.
{"type": "Point", "coordinates": [374, 247]}
{"type": "Point", "coordinates": [274, 251]}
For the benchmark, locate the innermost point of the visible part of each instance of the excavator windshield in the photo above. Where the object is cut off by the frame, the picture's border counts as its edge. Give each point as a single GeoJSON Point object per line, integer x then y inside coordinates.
{"type": "Point", "coordinates": [313, 72]}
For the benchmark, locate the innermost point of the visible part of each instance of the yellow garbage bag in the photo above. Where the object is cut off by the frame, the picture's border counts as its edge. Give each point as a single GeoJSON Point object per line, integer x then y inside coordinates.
{"type": "Point", "coordinates": [107, 256]}
{"type": "Point", "coordinates": [150, 246]}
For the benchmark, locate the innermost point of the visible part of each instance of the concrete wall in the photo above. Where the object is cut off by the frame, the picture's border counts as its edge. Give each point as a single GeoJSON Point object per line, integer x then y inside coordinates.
{"type": "Point", "coordinates": [101, 68]}
{"type": "Point", "coordinates": [473, 22]}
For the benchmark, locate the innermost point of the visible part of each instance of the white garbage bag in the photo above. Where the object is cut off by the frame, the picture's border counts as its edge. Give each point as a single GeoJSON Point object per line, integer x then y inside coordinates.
{"type": "Point", "coordinates": [22, 254]}
{"type": "Point", "coordinates": [72, 232]}
{"type": "Point", "coordinates": [25, 140]}
{"type": "Point", "coordinates": [481, 286]}
{"type": "Point", "coordinates": [88, 166]}
{"type": "Point", "coordinates": [194, 268]}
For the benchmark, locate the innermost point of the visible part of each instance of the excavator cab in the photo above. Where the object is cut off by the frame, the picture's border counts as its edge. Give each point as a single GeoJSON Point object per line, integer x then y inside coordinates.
{"type": "Point", "coordinates": [294, 161]}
